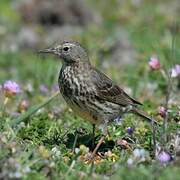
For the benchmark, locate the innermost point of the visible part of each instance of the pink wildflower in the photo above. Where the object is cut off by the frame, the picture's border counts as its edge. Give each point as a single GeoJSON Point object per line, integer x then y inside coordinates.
{"type": "Point", "coordinates": [11, 88]}
{"type": "Point", "coordinates": [154, 63]}
{"type": "Point", "coordinates": [164, 157]}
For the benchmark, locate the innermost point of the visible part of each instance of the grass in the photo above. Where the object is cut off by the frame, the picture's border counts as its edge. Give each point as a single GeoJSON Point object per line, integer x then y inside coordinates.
{"type": "Point", "coordinates": [40, 145]}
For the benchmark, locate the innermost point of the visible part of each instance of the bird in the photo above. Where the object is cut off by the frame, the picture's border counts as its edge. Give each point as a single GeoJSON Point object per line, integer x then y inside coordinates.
{"type": "Point", "coordinates": [89, 92]}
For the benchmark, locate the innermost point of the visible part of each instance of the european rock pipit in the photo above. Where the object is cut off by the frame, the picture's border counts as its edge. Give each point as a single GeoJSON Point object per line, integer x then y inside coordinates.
{"type": "Point", "coordinates": [89, 92]}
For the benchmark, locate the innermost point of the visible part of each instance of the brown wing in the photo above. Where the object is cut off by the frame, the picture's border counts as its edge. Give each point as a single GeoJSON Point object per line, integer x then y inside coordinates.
{"type": "Point", "coordinates": [109, 91]}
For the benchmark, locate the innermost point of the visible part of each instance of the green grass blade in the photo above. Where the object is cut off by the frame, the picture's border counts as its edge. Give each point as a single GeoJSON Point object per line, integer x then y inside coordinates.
{"type": "Point", "coordinates": [32, 110]}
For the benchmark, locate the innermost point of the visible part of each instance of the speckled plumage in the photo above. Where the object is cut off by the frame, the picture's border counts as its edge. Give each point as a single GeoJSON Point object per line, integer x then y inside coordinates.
{"type": "Point", "coordinates": [89, 92]}
{"type": "Point", "coordinates": [79, 91]}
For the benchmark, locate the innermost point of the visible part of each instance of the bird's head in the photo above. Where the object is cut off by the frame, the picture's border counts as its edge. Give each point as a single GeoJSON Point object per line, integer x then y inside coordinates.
{"type": "Point", "coordinates": [70, 52]}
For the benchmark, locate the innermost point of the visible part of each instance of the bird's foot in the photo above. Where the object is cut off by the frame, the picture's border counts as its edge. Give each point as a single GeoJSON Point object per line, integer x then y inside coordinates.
{"type": "Point", "coordinates": [92, 158]}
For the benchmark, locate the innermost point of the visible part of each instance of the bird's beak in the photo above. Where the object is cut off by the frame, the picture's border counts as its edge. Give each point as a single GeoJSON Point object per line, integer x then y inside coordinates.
{"type": "Point", "coordinates": [49, 50]}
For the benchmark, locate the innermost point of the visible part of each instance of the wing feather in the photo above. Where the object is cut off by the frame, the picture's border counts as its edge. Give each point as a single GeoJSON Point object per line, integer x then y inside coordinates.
{"type": "Point", "coordinates": [109, 91]}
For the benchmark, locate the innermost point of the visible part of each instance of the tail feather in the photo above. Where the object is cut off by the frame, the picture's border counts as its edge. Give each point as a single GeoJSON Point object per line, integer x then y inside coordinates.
{"type": "Point", "coordinates": [143, 114]}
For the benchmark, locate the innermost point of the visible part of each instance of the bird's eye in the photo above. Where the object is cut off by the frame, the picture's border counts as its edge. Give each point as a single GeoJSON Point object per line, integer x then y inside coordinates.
{"type": "Point", "coordinates": [65, 48]}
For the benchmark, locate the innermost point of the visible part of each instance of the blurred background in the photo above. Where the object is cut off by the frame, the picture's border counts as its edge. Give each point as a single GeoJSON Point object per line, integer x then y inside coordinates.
{"type": "Point", "coordinates": [120, 36]}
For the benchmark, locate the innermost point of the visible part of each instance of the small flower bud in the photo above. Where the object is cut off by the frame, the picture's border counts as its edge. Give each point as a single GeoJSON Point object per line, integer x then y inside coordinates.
{"type": "Point", "coordinates": [23, 106]}
{"type": "Point", "coordinates": [43, 88]}
{"type": "Point", "coordinates": [162, 111]}
{"type": "Point", "coordinates": [175, 71]}
{"type": "Point", "coordinates": [130, 130]}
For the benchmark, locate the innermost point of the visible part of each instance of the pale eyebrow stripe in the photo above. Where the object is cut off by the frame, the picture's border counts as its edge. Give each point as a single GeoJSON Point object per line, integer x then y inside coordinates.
{"type": "Point", "coordinates": [69, 44]}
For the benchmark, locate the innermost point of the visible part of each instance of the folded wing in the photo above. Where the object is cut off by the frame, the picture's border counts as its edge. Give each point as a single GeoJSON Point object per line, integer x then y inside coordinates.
{"type": "Point", "coordinates": [109, 91]}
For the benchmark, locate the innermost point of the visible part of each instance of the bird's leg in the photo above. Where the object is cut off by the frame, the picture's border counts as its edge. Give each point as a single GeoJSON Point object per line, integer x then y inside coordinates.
{"type": "Point", "coordinates": [91, 158]}
{"type": "Point", "coordinates": [105, 133]}
{"type": "Point", "coordinates": [93, 136]}
{"type": "Point", "coordinates": [97, 146]}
